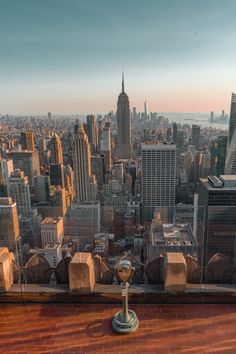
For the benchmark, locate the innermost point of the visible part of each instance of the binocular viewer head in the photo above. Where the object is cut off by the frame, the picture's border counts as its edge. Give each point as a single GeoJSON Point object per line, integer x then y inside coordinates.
{"type": "Point", "coordinates": [124, 270]}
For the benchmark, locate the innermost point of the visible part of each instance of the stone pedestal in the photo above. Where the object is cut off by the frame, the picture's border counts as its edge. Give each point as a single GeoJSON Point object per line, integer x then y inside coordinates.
{"type": "Point", "coordinates": [6, 269]}
{"type": "Point", "coordinates": [81, 272]}
{"type": "Point", "coordinates": [97, 268]}
{"type": "Point", "coordinates": [175, 273]}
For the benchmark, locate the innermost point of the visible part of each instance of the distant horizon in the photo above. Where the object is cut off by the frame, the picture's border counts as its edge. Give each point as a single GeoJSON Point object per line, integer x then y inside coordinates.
{"type": "Point", "coordinates": [29, 114]}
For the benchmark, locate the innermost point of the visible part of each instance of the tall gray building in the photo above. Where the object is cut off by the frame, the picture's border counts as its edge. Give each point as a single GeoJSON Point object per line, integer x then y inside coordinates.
{"type": "Point", "coordinates": [20, 191]}
{"type": "Point", "coordinates": [81, 163]}
{"type": "Point", "coordinates": [221, 154]}
{"type": "Point", "coordinates": [232, 119]}
{"type": "Point", "coordinates": [230, 163]}
{"type": "Point", "coordinates": [217, 218]}
{"type": "Point", "coordinates": [55, 147]}
{"type": "Point", "coordinates": [106, 146]}
{"type": "Point", "coordinates": [91, 131]}
{"type": "Point", "coordinates": [6, 168]}
{"type": "Point", "coordinates": [124, 146]}
{"type": "Point", "coordinates": [158, 180]}
{"type": "Point", "coordinates": [195, 136]}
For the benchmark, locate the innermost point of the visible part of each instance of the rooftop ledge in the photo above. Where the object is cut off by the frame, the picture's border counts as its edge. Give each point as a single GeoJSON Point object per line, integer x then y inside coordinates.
{"type": "Point", "coordinates": [85, 274]}
{"type": "Point", "coordinates": [194, 293]}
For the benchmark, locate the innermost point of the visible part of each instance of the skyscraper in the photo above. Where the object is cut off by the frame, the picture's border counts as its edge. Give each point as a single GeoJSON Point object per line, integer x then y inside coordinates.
{"type": "Point", "coordinates": [146, 109]}
{"type": "Point", "coordinates": [169, 135]}
{"type": "Point", "coordinates": [106, 146]}
{"type": "Point", "coordinates": [230, 163]}
{"type": "Point", "coordinates": [217, 217]}
{"type": "Point", "coordinates": [123, 125]}
{"type": "Point", "coordinates": [221, 154]}
{"type": "Point", "coordinates": [195, 136]}
{"type": "Point", "coordinates": [158, 180]}
{"type": "Point", "coordinates": [29, 219]}
{"type": "Point", "coordinates": [91, 132]}
{"type": "Point", "coordinates": [20, 191]}
{"type": "Point", "coordinates": [6, 168]}
{"type": "Point", "coordinates": [175, 133]}
{"type": "Point", "coordinates": [232, 119]}
{"type": "Point", "coordinates": [81, 163]}
{"type": "Point", "coordinates": [27, 140]}
{"type": "Point", "coordinates": [134, 113]}
{"type": "Point", "coordinates": [55, 147]}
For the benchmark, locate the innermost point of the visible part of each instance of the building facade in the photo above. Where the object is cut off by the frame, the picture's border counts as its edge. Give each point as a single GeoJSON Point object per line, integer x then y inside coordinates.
{"type": "Point", "coordinates": [55, 147]}
{"type": "Point", "coordinates": [217, 217]}
{"type": "Point", "coordinates": [230, 163]}
{"type": "Point", "coordinates": [27, 161]}
{"type": "Point", "coordinates": [6, 168]}
{"type": "Point", "coordinates": [196, 136]}
{"type": "Point", "coordinates": [83, 222]}
{"type": "Point", "coordinates": [232, 119]}
{"type": "Point", "coordinates": [27, 140]}
{"type": "Point", "coordinates": [52, 231]}
{"type": "Point", "coordinates": [20, 191]}
{"type": "Point", "coordinates": [158, 180]}
{"type": "Point", "coordinates": [9, 223]}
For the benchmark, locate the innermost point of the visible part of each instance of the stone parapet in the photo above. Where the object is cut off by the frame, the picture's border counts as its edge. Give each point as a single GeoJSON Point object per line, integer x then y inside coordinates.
{"type": "Point", "coordinates": [6, 269]}
{"type": "Point", "coordinates": [175, 273]}
{"type": "Point", "coordinates": [81, 272]}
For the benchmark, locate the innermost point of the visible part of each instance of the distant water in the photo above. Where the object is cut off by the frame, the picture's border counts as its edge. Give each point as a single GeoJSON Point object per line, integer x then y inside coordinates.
{"type": "Point", "coordinates": [201, 119]}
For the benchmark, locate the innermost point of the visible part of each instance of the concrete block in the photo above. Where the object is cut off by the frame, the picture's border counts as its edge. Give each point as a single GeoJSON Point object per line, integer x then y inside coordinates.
{"type": "Point", "coordinates": [175, 273]}
{"type": "Point", "coordinates": [81, 272]}
{"type": "Point", "coordinates": [97, 268]}
{"type": "Point", "coordinates": [6, 269]}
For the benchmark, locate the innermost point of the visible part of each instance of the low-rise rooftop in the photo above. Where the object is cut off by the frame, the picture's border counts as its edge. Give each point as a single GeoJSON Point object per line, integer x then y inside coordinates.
{"type": "Point", "coordinates": [49, 220]}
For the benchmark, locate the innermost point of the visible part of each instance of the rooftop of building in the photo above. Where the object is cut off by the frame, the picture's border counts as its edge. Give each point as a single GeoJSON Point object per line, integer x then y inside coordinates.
{"type": "Point", "coordinates": [157, 145]}
{"type": "Point", "coordinates": [173, 234]}
{"type": "Point", "coordinates": [223, 182]}
{"type": "Point", "coordinates": [21, 152]}
{"type": "Point", "coordinates": [104, 235]}
{"type": "Point", "coordinates": [84, 204]}
{"type": "Point", "coordinates": [86, 328]}
{"type": "Point", "coordinates": [50, 221]}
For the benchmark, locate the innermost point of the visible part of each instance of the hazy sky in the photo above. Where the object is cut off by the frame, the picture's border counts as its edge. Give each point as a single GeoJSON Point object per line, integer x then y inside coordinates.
{"type": "Point", "coordinates": [67, 55]}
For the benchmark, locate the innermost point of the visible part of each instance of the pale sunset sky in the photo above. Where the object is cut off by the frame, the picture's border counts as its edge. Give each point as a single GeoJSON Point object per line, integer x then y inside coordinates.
{"type": "Point", "coordinates": [67, 55]}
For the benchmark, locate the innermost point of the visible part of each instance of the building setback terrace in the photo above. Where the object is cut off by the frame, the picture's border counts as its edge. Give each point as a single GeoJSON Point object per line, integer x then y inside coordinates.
{"type": "Point", "coordinates": [86, 328]}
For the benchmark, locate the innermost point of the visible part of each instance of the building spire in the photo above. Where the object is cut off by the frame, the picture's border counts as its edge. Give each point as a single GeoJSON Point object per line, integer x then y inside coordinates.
{"type": "Point", "coordinates": [123, 84]}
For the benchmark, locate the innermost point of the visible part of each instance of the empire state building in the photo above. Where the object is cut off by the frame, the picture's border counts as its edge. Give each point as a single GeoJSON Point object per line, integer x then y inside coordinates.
{"type": "Point", "coordinates": [124, 147]}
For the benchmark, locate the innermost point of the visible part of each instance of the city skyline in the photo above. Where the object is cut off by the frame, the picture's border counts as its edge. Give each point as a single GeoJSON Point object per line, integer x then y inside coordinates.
{"type": "Point", "coordinates": [66, 56]}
